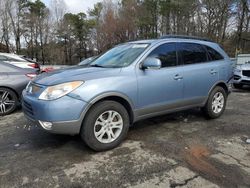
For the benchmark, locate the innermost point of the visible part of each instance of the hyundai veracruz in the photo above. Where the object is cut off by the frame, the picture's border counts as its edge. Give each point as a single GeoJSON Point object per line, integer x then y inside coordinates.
{"type": "Point", "coordinates": [128, 83]}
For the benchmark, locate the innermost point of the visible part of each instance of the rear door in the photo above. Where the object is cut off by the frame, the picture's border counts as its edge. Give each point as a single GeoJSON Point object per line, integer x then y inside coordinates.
{"type": "Point", "coordinates": [225, 64]}
{"type": "Point", "coordinates": [199, 73]}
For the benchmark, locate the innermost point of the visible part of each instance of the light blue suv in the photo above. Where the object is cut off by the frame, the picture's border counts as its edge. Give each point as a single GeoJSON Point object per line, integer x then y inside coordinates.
{"type": "Point", "coordinates": [128, 83]}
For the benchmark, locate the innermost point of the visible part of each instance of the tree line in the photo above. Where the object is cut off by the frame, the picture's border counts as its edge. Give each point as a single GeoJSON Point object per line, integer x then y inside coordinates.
{"type": "Point", "coordinates": [51, 35]}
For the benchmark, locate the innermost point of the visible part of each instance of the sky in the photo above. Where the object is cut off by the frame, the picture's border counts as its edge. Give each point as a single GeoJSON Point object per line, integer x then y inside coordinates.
{"type": "Point", "coordinates": [76, 6]}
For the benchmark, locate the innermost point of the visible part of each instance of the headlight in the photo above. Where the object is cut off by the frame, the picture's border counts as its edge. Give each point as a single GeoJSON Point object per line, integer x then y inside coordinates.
{"type": "Point", "coordinates": [57, 91]}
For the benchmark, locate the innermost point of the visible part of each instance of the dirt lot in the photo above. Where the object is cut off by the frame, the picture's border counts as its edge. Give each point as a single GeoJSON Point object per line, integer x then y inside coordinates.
{"type": "Point", "coordinates": [177, 150]}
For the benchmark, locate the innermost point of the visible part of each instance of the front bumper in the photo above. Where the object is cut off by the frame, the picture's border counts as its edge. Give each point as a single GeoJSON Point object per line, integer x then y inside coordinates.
{"type": "Point", "coordinates": [240, 79]}
{"type": "Point", "coordinates": [65, 113]}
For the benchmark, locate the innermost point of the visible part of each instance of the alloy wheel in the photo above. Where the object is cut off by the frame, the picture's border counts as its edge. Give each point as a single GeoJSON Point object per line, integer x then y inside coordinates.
{"type": "Point", "coordinates": [218, 102]}
{"type": "Point", "coordinates": [7, 102]}
{"type": "Point", "coordinates": [108, 126]}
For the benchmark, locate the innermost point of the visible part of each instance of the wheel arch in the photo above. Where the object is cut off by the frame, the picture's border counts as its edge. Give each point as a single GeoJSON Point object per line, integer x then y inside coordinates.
{"type": "Point", "coordinates": [18, 96]}
{"type": "Point", "coordinates": [113, 96]}
{"type": "Point", "coordinates": [221, 84]}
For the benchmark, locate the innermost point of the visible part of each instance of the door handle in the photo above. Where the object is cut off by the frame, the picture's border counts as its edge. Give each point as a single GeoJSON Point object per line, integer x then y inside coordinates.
{"type": "Point", "coordinates": [178, 77]}
{"type": "Point", "coordinates": [212, 71]}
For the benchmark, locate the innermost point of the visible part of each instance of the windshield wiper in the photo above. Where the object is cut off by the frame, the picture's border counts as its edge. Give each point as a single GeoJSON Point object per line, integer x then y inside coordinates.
{"type": "Point", "coordinates": [96, 65]}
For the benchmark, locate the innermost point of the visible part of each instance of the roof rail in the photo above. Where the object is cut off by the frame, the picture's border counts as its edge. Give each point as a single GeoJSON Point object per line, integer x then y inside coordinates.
{"type": "Point", "coordinates": [185, 37]}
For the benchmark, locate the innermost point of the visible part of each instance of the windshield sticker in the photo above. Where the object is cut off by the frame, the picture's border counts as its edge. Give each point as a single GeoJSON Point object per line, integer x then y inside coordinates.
{"type": "Point", "coordinates": [140, 46]}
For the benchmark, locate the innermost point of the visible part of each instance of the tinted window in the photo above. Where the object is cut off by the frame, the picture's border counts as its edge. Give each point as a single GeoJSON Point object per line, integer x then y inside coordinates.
{"type": "Point", "coordinates": [192, 53]}
{"type": "Point", "coordinates": [213, 54]}
{"type": "Point", "coordinates": [166, 53]}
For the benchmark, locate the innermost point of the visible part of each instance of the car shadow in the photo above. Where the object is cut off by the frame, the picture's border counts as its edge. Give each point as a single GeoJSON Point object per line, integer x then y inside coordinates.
{"type": "Point", "coordinates": [245, 89]}
{"type": "Point", "coordinates": [177, 117]}
{"type": "Point", "coordinates": [35, 138]}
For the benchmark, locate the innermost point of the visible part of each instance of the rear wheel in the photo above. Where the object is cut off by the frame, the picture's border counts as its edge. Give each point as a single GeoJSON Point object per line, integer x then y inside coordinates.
{"type": "Point", "coordinates": [8, 101]}
{"type": "Point", "coordinates": [216, 103]}
{"type": "Point", "coordinates": [105, 126]}
{"type": "Point", "coordinates": [238, 86]}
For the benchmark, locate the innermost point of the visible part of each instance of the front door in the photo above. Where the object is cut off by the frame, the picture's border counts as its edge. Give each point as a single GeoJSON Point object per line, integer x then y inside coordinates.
{"type": "Point", "coordinates": [160, 89]}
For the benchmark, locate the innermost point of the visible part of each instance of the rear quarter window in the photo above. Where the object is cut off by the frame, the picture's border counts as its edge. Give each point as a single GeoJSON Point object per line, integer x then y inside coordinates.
{"type": "Point", "coordinates": [213, 54]}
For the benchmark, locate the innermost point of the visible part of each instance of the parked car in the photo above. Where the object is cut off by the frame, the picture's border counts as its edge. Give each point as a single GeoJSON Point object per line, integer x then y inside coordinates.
{"type": "Point", "coordinates": [128, 83]}
{"type": "Point", "coordinates": [19, 61]}
{"type": "Point", "coordinates": [242, 71]}
{"type": "Point", "coordinates": [13, 81]}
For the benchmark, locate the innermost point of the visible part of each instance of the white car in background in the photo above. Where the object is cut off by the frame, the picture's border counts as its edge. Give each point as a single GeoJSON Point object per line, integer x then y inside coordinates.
{"type": "Point", "coordinates": [18, 61]}
{"type": "Point", "coordinates": [242, 71]}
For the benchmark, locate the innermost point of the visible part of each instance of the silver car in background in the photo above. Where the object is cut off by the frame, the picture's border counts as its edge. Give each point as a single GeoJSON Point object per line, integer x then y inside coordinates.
{"type": "Point", "coordinates": [242, 71]}
{"type": "Point", "coordinates": [13, 81]}
{"type": "Point", "coordinates": [19, 61]}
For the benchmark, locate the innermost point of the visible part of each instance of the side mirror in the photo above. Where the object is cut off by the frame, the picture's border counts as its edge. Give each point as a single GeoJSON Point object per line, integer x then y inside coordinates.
{"type": "Point", "coordinates": [151, 63]}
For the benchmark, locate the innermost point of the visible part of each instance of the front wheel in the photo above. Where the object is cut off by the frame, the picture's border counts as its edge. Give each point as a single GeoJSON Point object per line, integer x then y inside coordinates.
{"type": "Point", "coordinates": [8, 101]}
{"type": "Point", "coordinates": [105, 126]}
{"type": "Point", "coordinates": [216, 103]}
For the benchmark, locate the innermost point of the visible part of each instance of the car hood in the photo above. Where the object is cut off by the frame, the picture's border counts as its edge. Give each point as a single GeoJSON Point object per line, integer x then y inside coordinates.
{"type": "Point", "coordinates": [74, 74]}
{"type": "Point", "coordinates": [244, 67]}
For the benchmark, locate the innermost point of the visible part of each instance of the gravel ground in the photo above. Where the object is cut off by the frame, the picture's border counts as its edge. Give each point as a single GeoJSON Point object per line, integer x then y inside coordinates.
{"type": "Point", "coordinates": [177, 150]}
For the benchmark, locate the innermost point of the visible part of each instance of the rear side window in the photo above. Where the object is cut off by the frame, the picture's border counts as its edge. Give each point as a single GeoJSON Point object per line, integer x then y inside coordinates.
{"type": "Point", "coordinates": [192, 53]}
{"type": "Point", "coordinates": [213, 54]}
{"type": "Point", "coordinates": [166, 53]}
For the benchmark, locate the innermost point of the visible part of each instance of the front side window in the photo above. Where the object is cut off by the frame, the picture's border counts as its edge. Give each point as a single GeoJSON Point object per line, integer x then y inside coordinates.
{"type": "Point", "coordinates": [166, 53]}
{"type": "Point", "coordinates": [192, 53]}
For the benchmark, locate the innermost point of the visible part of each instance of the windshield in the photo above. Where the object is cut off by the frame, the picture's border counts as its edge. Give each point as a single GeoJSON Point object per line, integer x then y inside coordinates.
{"type": "Point", "coordinates": [120, 56]}
{"type": "Point", "coordinates": [87, 61]}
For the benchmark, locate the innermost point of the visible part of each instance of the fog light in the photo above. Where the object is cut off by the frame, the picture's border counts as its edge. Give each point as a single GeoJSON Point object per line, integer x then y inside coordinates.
{"type": "Point", "coordinates": [46, 125]}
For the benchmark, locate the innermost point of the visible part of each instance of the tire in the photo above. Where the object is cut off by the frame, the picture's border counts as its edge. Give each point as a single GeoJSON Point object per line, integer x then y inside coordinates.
{"type": "Point", "coordinates": [238, 86]}
{"type": "Point", "coordinates": [8, 101]}
{"type": "Point", "coordinates": [215, 110]}
{"type": "Point", "coordinates": [92, 131]}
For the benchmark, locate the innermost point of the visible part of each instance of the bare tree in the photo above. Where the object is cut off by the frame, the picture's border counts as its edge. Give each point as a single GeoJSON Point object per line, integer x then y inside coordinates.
{"type": "Point", "coordinates": [5, 25]}
{"type": "Point", "coordinates": [14, 9]}
{"type": "Point", "coordinates": [243, 14]}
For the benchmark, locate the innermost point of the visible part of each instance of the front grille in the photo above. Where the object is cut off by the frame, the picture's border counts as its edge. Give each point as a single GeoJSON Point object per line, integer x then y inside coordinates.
{"type": "Point", "coordinates": [245, 82]}
{"type": "Point", "coordinates": [27, 108]}
{"type": "Point", "coordinates": [246, 73]}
